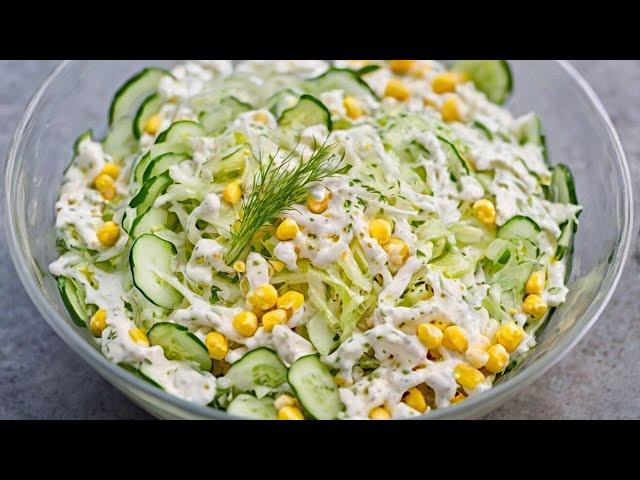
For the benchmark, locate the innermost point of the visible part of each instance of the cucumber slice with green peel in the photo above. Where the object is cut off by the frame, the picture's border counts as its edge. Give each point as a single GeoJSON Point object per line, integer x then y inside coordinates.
{"type": "Point", "coordinates": [519, 227]}
{"type": "Point", "coordinates": [150, 107]}
{"type": "Point", "coordinates": [216, 120]}
{"type": "Point", "coordinates": [73, 301]}
{"type": "Point", "coordinates": [180, 132]}
{"type": "Point", "coordinates": [120, 142]}
{"type": "Point", "coordinates": [491, 77]}
{"type": "Point", "coordinates": [148, 255]}
{"type": "Point", "coordinates": [321, 336]}
{"type": "Point", "coordinates": [530, 131]}
{"type": "Point", "coordinates": [368, 69]}
{"type": "Point", "coordinates": [314, 387]}
{"type": "Point", "coordinates": [248, 406]}
{"type": "Point", "coordinates": [281, 101]}
{"type": "Point", "coordinates": [179, 343]}
{"type": "Point", "coordinates": [484, 129]}
{"type": "Point", "coordinates": [259, 370]}
{"type": "Point", "coordinates": [86, 135]}
{"type": "Point", "coordinates": [344, 79]}
{"type": "Point", "coordinates": [562, 190]}
{"type": "Point", "coordinates": [128, 218]}
{"type": "Point", "coordinates": [162, 163]}
{"type": "Point", "coordinates": [140, 374]}
{"type": "Point", "coordinates": [155, 152]}
{"type": "Point", "coordinates": [151, 189]}
{"type": "Point", "coordinates": [308, 111]}
{"type": "Point", "coordinates": [151, 221]}
{"type": "Point", "coordinates": [457, 163]}
{"type": "Point", "coordinates": [130, 95]}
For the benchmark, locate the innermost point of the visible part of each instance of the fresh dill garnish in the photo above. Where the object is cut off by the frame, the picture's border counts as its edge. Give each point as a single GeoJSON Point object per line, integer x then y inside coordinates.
{"type": "Point", "coordinates": [277, 188]}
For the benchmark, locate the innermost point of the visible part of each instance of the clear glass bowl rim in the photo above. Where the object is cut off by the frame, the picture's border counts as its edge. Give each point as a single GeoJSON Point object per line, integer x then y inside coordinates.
{"type": "Point", "coordinates": [94, 357]}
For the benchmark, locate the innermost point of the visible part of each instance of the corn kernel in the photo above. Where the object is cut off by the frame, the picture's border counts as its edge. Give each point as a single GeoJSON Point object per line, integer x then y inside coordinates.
{"type": "Point", "coordinates": [261, 117]}
{"type": "Point", "coordinates": [353, 108]}
{"type": "Point", "coordinates": [263, 297]}
{"type": "Point", "coordinates": [477, 357]}
{"type": "Point", "coordinates": [467, 376]}
{"type": "Point", "coordinates": [317, 206]}
{"type": "Point", "coordinates": [534, 305]}
{"type": "Point", "coordinates": [498, 358]}
{"type": "Point", "coordinates": [284, 400]}
{"type": "Point", "coordinates": [482, 342]}
{"type": "Point", "coordinates": [401, 67]}
{"type": "Point", "coordinates": [239, 266]}
{"type": "Point", "coordinates": [397, 251]}
{"type": "Point", "coordinates": [273, 318]}
{"type": "Point", "coordinates": [485, 210]}
{"type": "Point", "coordinates": [246, 323]}
{"type": "Point", "coordinates": [139, 337]}
{"type": "Point", "coordinates": [287, 230]}
{"type": "Point", "coordinates": [445, 82]}
{"type": "Point", "coordinates": [152, 125]}
{"type": "Point", "coordinates": [396, 89]}
{"type": "Point", "coordinates": [379, 413]}
{"type": "Point", "coordinates": [441, 325]}
{"type": "Point", "coordinates": [415, 399]}
{"type": "Point", "coordinates": [290, 413]}
{"type": "Point", "coordinates": [217, 345]}
{"type": "Point", "coordinates": [291, 300]}
{"type": "Point", "coordinates": [420, 71]}
{"type": "Point", "coordinates": [104, 184]}
{"type": "Point", "coordinates": [450, 111]}
{"type": "Point", "coordinates": [509, 336]}
{"type": "Point", "coordinates": [277, 265]}
{"type": "Point", "coordinates": [108, 234]}
{"type": "Point", "coordinates": [111, 169]}
{"type": "Point", "coordinates": [430, 335]}
{"type": "Point", "coordinates": [535, 283]}
{"type": "Point", "coordinates": [98, 323]}
{"type": "Point", "coordinates": [380, 229]}
{"type": "Point", "coordinates": [455, 338]}
{"type": "Point", "coordinates": [232, 192]}
{"type": "Point", "coordinates": [458, 397]}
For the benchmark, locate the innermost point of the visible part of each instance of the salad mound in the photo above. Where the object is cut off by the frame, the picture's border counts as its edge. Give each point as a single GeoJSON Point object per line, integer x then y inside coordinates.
{"type": "Point", "coordinates": [297, 240]}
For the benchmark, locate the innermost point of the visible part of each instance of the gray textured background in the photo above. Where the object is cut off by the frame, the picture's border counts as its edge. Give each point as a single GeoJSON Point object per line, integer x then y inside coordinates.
{"type": "Point", "coordinates": [41, 378]}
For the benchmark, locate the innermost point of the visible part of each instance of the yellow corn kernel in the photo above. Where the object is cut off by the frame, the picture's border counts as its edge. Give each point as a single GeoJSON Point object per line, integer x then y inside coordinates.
{"type": "Point", "coordinates": [287, 230]}
{"type": "Point", "coordinates": [397, 251]}
{"type": "Point", "coordinates": [379, 413]}
{"type": "Point", "coordinates": [458, 397]}
{"type": "Point", "coordinates": [445, 82]}
{"type": "Point", "coordinates": [108, 234]}
{"type": "Point", "coordinates": [232, 192]}
{"type": "Point", "coordinates": [353, 108]}
{"type": "Point", "coordinates": [291, 300]}
{"type": "Point", "coordinates": [152, 125]}
{"type": "Point", "coordinates": [217, 345]}
{"type": "Point", "coordinates": [138, 336]}
{"type": "Point", "coordinates": [98, 323]}
{"type": "Point", "coordinates": [396, 89]}
{"type": "Point", "coordinates": [246, 323]}
{"type": "Point", "coordinates": [441, 325]}
{"type": "Point", "coordinates": [317, 206]}
{"type": "Point", "coordinates": [284, 400]}
{"type": "Point", "coordinates": [535, 283]}
{"type": "Point", "coordinates": [401, 67]}
{"type": "Point", "coordinates": [415, 399]}
{"type": "Point", "coordinates": [482, 342]}
{"type": "Point", "coordinates": [290, 413]}
{"type": "Point", "coordinates": [104, 183]}
{"type": "Point", "coordinates": [263, 297]}
{"type": "Point", "coordinates": [509, 336]}
{"type": "Point", "coordinates": [111, 169]}
{"type": "Point", "coordinates": [455, 338]}
{"type": "Point", "coordinates": [277, 265]}
{"type": "Point", "coordinates": [239, 266]}
{"type": "Point", "coordinates": [477, 357]}
{"type": "Point", "coordinates": [498, 358]}
{"type": "Point", "coordinates": [261, 117]}
{"type": "Point", "coordinates": [485, 210]}
{"type": "Point", "coordinates": [534, 305]}
{"type": "Point", "coordinates": [467, 376]}
{"type": "Point", "coordinates": [420, 71]}
{"type": "Point", "coordinates": [380, 229]}
{"type": "Point", "coordinates": [450, 111]}
{"type": "Point", "coordinates": [273, 318]}
{"type": "Point", "coordinates": [430, 335]}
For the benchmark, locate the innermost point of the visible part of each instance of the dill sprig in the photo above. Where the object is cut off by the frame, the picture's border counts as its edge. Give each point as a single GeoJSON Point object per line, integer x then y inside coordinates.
{"type": "Point", "coordinates": [277, 188]}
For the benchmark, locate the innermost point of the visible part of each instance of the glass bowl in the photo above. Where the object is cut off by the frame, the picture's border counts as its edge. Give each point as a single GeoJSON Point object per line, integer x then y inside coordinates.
{"type": "Point", "coordinates": [579, 133]}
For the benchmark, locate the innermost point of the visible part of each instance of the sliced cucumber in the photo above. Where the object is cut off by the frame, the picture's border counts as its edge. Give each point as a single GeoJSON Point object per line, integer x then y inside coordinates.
{"type": "Point", "coordinates": [151, 189]}
{"type": "Point", "coordinates": [248, 406]}
{"type": "Point", "coordinates": [321, 336]}
{"type": "Point", "coordinates": [530, 131]}
{"type": "Point", "coordinates": [128, 218]}
{"type": "Point", "coordinates": [180, 132]}
{"type": "Point", "coordinates": [129, 96]}
{"type": "Point", "coordinates": [519, 227]}
{"type": "Point", "coordinates": [179, 343]}
{"type": "Point", "coordinates": [314, 387]}
{"type": "Point", "coordinates": [282, 100]}
{"type": "Point", "coordinates": [148, 254]}
{"type": "Point", "coordinates": [563, 191]}
{"type": "Point", "coordinates": [155, 152]}
{"type": "Point", "coordinates": [491, 77]}
{"type": "Point", "coordinates": [148, 109]}
{"type": "Point", "coordinates": [86, 135]}
{"type": "Point", "coordinates": [149, 222]}
{"type": "Point", "coordinates": [484, 129]}
{"type": "Point", "coordinates": [162, 163]}
{"type": "Point", "coordinates": [73, 301]}
{"type": "Point", "coordinates": [308, 111]}
{"type": "Point", "coordinates": [120, 142]}
{"type": "Point", "coordinates": [343, 79]}
{"type": "Point", "coordinates": [457, 163]}
{"type": "Point", "coordinates": [259, 370]}
{"type": "Point", "coordinates": [215, 121]}
{"type": "Point", "coordinates": [368, 69]}
{"type": "Point", "coordinates": [230, 167]}
{"type": "Point", "coordinates": [138, 372]}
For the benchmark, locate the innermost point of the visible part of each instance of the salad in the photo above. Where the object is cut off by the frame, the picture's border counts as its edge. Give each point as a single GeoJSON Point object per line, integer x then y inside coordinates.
{"type": "Point", "coordinates": [302, 240]}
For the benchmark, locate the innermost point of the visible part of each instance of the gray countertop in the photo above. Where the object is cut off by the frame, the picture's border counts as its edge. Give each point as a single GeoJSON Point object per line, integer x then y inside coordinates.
{"type": "Point", "coordinates": [41, 378]}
